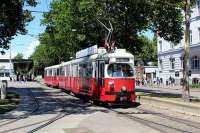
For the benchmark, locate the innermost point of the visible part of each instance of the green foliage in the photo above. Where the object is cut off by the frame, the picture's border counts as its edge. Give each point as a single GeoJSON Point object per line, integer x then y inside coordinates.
{"type": "Point", "coordinates": [19, 56]}
{"type": "Point", "coordinates": [148, 52]}
{"type": "Point", "coordinates": [50, 53]}
{"type": "Point", "coordinates": [13, 20]}
{"type": "Point", "coordinates": [72, 25]}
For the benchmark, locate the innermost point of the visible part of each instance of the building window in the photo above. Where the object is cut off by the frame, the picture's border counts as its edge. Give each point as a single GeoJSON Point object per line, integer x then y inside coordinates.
{"type": "Point", "coordinates": [160, 44]}
{"type": "Point", "coordinates": [195, 62]}
{"type": "Point", "coordinates": [198, 5]}
{"type": "Point", "coordinates": [199, 33]}
{"type": "Point", "coordinates": [161, 64]}
{"type": "Point", "coordinates": [172, 63]}
{"type": "Point", "coordinates": [171, 45]}
{"type": "Point", "coordinates": [190, 36]}
{"type": "Point", "coordinates": [181, 61]}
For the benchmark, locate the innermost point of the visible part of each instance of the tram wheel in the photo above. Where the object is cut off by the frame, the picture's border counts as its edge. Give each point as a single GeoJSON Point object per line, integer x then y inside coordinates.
{"type": "Point", "coordinates": [105, 104]}
{"type": "Point", "coordinates": [95, 102]}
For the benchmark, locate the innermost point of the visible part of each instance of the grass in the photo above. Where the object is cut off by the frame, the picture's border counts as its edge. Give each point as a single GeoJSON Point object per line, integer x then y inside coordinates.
{"type": "Point", "coordinates": [167, 96]}
{"type": "Point", "coordinates": [9, 103]}
{"type": "Point", "coordinates": [195, 86]}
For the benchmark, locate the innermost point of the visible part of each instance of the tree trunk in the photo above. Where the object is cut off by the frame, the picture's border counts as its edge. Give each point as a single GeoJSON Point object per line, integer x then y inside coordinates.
{"type": "Point", "coordinates": [185, 89]}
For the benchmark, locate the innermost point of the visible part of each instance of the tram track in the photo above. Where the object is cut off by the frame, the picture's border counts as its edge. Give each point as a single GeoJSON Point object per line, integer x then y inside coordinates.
{"type": "Point", "coordinates": [61, 114]}
{"type": "Point", "coordinates": [186, 122]}
{"type": "Point", "coordinates": [159, 126]}
{"type": "Point", "coordinates": [35, 109]}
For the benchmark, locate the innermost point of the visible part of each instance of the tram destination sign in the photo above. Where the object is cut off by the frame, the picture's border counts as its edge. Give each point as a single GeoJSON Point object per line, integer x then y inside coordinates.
{"type": "Point", "coordinates": [86, 52]}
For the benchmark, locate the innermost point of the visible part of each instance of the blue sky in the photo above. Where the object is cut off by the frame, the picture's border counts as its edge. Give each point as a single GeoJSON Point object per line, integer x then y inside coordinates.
{"type": "Point", "coordinates": [26, 44]}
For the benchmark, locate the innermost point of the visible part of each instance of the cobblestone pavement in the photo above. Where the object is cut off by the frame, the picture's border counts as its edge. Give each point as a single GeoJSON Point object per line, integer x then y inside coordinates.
{"type": "Point", "coordinates": [49, 110]}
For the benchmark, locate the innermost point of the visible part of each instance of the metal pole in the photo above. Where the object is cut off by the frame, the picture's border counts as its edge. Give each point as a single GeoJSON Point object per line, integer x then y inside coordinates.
{"type": "Point", "coordinates": [10, 61]}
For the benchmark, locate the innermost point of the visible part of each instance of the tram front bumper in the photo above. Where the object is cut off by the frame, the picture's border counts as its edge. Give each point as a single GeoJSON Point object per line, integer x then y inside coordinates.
{"type": "Point", "coordinates": [122, 96]}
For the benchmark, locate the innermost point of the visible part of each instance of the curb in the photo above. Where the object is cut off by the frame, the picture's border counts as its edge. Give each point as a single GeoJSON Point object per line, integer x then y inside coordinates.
{"type": "Point", "coordinates": [167, 88]}
{"type": "Point", "coordinates": [190, 109]}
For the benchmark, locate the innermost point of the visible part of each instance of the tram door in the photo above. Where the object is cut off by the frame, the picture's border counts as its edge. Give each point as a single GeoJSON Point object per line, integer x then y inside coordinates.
{"type": "Point", "coordinates": [101, 66]}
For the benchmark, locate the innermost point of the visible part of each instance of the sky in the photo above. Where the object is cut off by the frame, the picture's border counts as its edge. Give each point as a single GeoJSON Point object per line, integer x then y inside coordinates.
{"type": "Point", "coordinates": [26, 44]}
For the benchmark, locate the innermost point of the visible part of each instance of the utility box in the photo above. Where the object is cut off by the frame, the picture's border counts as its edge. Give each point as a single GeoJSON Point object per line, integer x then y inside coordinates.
{"type": "Point", "coordinates": [3, 86]}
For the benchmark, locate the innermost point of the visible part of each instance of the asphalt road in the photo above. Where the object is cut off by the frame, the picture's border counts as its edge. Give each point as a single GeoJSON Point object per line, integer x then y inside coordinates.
{"type": "Point", "coordinates": [50, 110]}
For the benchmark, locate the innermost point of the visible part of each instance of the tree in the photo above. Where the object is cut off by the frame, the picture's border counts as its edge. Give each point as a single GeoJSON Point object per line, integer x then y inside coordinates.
{"type": "Point", "coordinates": [148, 52]}
{"type": "Point", "coordinates": [186, 89]}
{"type": "Point", "coordinates": [19, 56]}
{"type": "Point", "coordinates": [13, 20]}
{"type": "Point", "coordinates": [72, 25]}
{"type": "Point", "coordinates": [128, 18]}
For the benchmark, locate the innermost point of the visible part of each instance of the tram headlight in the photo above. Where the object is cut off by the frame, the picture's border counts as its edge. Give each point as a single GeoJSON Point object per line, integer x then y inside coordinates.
{"type": "Point", "coordinates": [112, 86]}
{"type": "Point", "coordinates": [123, 88]}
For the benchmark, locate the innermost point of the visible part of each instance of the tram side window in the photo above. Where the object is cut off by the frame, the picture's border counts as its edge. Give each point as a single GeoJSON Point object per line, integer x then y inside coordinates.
{"type": "Point", "coordinates": [54, 72]}
{"type": "Point", "coordinates": [62, 71]}
{"type": "Point", "coordinates": [70, 70]}
{"type": "Point", "coordinates": [66, 70]}
{"type": "Point", "coordinates": [82, 70]}
{"type": "Point", "coordinates": [45, 72]}
{"type": "Point", "coordinates": [75, 70]}
{"type": "Point", "coordinates": [85, 70]}
{"type": "Point", "coordinates": [50, 72]}
{"type": "Point", "coordinates": [57, 71]}
{"type": "Point", "coordinates": [89, 69]}
{"type": "Point", "coordinates": [7, 74]}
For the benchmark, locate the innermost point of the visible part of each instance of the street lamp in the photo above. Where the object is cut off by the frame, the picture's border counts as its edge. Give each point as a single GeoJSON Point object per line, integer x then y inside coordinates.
{"type": "Point", "coordinates": [10, 61]}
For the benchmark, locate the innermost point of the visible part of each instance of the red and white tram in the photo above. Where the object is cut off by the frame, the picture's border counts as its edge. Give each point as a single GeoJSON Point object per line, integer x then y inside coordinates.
{"type": "Point", "coordinates": [101, 76]}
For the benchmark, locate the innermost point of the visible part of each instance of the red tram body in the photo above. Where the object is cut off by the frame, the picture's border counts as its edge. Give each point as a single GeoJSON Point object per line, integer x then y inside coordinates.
{"type": "Point", "coordinates": [96, 74]}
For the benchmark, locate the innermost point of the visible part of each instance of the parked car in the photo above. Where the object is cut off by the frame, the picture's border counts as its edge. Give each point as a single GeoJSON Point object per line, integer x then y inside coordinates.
{"type": "Point", "coordinates": [5, 76]}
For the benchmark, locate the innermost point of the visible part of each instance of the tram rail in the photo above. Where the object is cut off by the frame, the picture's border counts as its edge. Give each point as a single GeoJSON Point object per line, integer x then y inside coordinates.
{"type": "Point", "coordinates": [159, 126]}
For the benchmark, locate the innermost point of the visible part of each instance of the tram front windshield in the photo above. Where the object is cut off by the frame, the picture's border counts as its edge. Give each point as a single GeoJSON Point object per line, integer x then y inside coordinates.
{"type": "Point", "coordinates": [120, 70]}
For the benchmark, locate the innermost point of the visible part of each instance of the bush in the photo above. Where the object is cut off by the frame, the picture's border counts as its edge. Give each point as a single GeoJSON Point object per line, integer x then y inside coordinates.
{"type": "Point", "coordinates": [195, 86]}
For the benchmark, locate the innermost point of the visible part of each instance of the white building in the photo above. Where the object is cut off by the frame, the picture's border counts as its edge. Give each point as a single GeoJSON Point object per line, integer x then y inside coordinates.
{"type": "Point", "coordinates": [170, 63]}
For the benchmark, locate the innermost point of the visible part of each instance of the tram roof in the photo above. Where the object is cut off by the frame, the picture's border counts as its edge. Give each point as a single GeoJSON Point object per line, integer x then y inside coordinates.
{"type": "Point", "coordinates": [102, 54]}
{"type": "Point", "coordinates": [66, 63]}
{"type": "Point", "coordinates": [119, 53]}
{"type": "Point", "coordinates": [122, 53]}
{"type": "Point", "coordinates": [55, 66]}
